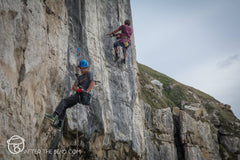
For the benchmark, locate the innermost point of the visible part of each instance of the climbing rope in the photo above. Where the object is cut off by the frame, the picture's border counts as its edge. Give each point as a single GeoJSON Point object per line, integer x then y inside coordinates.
{"type": "Point", "coordinates": [77, 127]}
{"type": "Point", "coordinates": [78, 54]}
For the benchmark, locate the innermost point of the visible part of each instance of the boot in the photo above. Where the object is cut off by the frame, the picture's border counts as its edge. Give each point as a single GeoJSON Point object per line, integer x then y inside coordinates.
{"type": "Point", "coordinates": [116, 57]}
{"type": "Point", "coordinates": [50, 117]}
{"type": "Point", "coordinates": [58, 126]}
{"type": "Point", "coordinates": [124, 61]}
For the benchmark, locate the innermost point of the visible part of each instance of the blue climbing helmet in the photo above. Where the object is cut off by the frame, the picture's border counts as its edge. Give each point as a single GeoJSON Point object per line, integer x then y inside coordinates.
{"type": "Point", "coordinates": [83, 63]}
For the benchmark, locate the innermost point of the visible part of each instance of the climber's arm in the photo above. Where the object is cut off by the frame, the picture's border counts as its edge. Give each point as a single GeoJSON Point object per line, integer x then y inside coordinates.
{"type": "Point", "coordinates": [91, 85]}
{"type": "Point", "coordinates": [117, 30]}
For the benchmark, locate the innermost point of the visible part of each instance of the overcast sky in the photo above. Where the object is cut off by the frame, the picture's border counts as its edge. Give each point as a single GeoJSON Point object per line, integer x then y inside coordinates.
{"type": "Point", "coordinates": [196, 42]}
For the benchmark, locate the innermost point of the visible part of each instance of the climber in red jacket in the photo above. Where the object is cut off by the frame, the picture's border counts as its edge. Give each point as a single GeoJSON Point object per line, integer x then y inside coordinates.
{"type": "Point", "coordinates": [125, 42]}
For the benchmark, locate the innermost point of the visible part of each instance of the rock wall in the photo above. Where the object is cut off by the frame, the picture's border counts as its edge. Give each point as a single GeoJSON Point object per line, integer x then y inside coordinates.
{"type": "Point", "coordinates": [38, 56]}
{"type": "Point", "coordinates": [39, 39]}
{"type": "Point", "coordinates": [184, 123]}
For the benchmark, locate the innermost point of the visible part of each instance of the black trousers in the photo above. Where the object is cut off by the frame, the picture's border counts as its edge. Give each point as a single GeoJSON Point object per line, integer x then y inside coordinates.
{"type": "Point", "coordinates": [67, 103]}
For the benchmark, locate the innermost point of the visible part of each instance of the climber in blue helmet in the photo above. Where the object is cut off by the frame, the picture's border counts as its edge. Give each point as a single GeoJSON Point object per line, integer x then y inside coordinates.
{"type": "Point", "coordinates": [82, 86]}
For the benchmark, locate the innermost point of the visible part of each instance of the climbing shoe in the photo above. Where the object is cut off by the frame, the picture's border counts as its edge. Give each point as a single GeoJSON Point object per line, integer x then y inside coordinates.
{"type": "Point", "coordinates": [57, 127]}
{"type": "Point", "coordinates": [50, 117]}
{"type": "Point", "coordinates": [123, 61]}
{"type": "Point", "coordinates": [116, 57]}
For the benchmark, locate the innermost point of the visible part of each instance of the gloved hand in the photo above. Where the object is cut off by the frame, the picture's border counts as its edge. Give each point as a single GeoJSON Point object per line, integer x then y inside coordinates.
{"type": "Point", "coordinates": [111, 34]}
{"type": "Point", "coordinates": [79, 90]}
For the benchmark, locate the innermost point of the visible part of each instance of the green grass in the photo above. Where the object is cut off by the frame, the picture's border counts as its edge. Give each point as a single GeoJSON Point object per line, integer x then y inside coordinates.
{"type": "Point", "coordinates": [173, 92]}
{"type": "Point", "coordinates": [177, 95]}
{"type": "Point", "coordinates": [226, 117]}
{"type": "Point", "coordinates": [167, 81]}
{"type": "Point", "coordinates": [148, 96]}
{"type": "Point", "coordinates": [211, 107]}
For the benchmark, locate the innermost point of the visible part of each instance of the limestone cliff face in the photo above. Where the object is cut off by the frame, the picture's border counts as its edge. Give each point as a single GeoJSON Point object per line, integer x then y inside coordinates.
{"type": "Point", "coordinates": [128, 118]}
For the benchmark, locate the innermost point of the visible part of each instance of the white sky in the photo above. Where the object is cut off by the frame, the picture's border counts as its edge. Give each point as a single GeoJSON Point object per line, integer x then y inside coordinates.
{"type": "Point", "coordinates": [196, 42]}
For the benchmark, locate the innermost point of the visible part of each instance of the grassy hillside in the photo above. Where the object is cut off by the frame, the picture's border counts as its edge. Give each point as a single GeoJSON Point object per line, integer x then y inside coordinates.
{"type": "Point", "coordinates": [174, 93]}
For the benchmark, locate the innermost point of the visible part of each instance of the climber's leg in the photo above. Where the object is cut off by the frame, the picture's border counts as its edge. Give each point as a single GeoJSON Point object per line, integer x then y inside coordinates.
{"type": "Point", "coordinates": [67, 103]}
{"type": "Point", "coordinates": [62, 107]}
{"type": "Point", "coordinates": [125, 52]}
{"type": "Point", "coordinates": [115, 45]}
